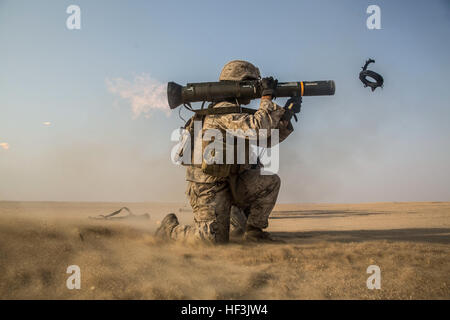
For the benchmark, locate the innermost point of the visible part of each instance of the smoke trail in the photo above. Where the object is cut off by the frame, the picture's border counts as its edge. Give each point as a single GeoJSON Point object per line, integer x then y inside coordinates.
{"type": "Point", "coordinates": [143, 93]}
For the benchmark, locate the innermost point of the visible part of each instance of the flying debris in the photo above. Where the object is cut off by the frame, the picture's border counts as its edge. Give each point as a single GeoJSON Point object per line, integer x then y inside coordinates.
{"type": "Point", "coordinates": [4, 145]}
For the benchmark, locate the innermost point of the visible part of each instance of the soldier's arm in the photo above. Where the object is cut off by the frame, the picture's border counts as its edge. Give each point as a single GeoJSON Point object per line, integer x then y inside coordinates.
{"type": "Point", "coordinates": [248, 126]}
{"type": "Point", "coordinates": [286, 129]}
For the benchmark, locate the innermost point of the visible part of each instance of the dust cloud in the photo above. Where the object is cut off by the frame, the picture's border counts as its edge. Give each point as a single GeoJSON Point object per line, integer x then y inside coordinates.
{"type": "Point", "coordinates": [325, 254]}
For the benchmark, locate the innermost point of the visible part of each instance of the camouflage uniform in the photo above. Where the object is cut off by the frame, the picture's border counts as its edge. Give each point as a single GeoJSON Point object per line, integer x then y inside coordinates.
{"type": "Point", "coordinates": [210, 196]}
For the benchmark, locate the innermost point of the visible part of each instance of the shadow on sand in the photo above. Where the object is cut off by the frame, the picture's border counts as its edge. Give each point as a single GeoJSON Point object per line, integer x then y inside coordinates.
{"type": "Point", "coordinates": [296, 214]}
{"type": "Point", "coordinates": [430, 235]}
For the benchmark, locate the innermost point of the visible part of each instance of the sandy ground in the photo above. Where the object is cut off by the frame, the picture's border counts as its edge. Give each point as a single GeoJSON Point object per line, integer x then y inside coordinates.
{"type": "Point", "coordinates": [326, 253]}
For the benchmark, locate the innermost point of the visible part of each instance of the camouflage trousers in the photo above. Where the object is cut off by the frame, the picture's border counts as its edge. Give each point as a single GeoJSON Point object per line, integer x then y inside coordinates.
{"type": "Point", "coordinates": [212, 203]}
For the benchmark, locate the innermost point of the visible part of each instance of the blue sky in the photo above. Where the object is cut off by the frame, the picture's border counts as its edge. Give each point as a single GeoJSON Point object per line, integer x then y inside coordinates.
{"type": "Point", "coordinates": [390, 145]}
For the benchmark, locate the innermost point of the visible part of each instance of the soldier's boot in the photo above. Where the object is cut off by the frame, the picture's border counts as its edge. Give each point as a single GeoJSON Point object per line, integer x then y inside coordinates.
{"type": "Point", "coordinates": [255, 234]}
{"type": "Point", "coordinates": [167, 224]}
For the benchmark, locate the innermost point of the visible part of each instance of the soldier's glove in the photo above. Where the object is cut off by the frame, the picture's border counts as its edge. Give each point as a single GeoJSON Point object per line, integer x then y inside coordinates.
{"type": "Point", "coordinates": [291, 108]}
{"type": "Point", "coordinates": [269, 86]}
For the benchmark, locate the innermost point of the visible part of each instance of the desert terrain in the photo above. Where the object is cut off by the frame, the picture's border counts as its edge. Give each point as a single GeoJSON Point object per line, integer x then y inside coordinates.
{"type": "Point", "coordinates": [325, 252]}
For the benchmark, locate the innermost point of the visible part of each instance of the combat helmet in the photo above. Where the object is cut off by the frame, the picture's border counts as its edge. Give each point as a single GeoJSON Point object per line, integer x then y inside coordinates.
{"type": "Point", "coordinates": [238, 70]}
